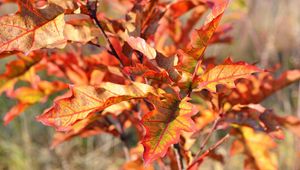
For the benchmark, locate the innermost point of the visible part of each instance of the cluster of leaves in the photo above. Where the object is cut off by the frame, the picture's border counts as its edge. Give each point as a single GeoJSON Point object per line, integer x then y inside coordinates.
{"type": "Point", "coordinates": [140, 71]}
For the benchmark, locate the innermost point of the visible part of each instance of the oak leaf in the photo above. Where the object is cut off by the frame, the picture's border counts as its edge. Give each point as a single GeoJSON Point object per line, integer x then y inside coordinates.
{"type": "Point", "coordinates": [201, 37]}
{"type": "Point", "coordinates": [136, 165]}
{"type": "Point", "coordinates": [81, 101]}
{"type": "Point", "coordinates": [32, 28]}
{"type": "Point", "coordinates": [164, 125]}
{"type": "Point", "coordinates": [168, 64]}
{"type": "Point", "coordinates": [225, 74]}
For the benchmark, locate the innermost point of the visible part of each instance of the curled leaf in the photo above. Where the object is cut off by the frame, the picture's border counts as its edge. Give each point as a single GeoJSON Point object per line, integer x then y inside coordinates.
{"type": "Point", "coordinates": [141, 45]}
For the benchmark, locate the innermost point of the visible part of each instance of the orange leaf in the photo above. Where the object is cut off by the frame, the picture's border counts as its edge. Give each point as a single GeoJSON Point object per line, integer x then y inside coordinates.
{"type": "Point", "coordinates": [18, 69]}
{"type": "Point", "coordinates": [32, 28]}
{"type": "Point", "coordinates": [28, 95]}
{"type": "Point", "coordinates": [138, 69]}
{"type": "Point", "coordinates": [225, 74]}
{"type": "Point", "coordinates": [259, 146]}
{"type": "Point", "coordinates": [157, 76]}
{"type": "Point", "coordinates": [180, 7]}
{"type": "Point", "coordinates": [258, 87]}
{"type": "Point", "coordinates": [292, 123]}
{"type": "Point", "coordinates": [14, 112]}
{"type": "Point", "coordinates": [164, 126]}
{"type": "Point", "coordinates": [81, 101]}
{"type": "Point", "coordinates": [136, 165]}
{"type": "Point", "coordinates": [91, 125]}
{"type": "Point", "coordinates": [80, 30]}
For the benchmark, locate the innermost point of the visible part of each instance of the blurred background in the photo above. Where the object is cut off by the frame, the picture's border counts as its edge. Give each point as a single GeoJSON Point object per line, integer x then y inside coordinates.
{"type": "Point", "coordinates": [266, 32]}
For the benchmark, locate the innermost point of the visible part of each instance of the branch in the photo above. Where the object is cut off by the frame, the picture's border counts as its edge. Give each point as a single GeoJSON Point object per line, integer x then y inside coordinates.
{"type": "Point", "coordinates": [92, 7]}
{"type": "Point", "coordinates": [179, 157]}
{"type": "Point", "coordinates": [123, 137]}
{"type": "Point", "coordinates": [207, 152]}
{"type": "Point", "coordinates": [204, 142]}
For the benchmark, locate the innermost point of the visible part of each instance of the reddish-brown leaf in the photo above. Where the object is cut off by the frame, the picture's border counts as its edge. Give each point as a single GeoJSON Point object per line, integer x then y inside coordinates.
{"type": "Point", "coordinates": [32, 28]}
{"type": "Point", "coordinates": [168, 64]}
{"type": "Point", "coordinates": [139, 69]}
{"type": "Point", "coordinates": [258, 87]}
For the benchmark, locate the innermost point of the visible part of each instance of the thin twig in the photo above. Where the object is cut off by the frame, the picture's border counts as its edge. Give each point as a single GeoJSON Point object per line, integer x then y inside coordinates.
{"type": "Point", "coordinates": [200, 158]}
{"type": "Point", "coordinates": [93, 15]}
{"type": "Point", "coordinates": [123, 137]}
{"type": "Point", "coordinates": [99, 46]}
{"type": "Point", "coordinates": [204, 142]}
{"type": "Point", "coordinates": [179, 157]}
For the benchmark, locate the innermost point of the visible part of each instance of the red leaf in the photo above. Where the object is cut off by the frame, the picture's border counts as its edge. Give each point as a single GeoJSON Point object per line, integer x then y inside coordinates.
{"type": "Point", "coordinates": [14, 112]}
{"type": "Point", "coordinates": [180, 7]}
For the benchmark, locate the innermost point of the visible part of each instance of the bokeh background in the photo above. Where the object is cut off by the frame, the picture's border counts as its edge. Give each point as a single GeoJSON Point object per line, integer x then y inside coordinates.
{"type": "Point", "coordinates": [266, 32]}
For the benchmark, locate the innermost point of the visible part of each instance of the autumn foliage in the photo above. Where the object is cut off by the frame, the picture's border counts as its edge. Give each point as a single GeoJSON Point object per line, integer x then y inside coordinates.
{"type": "Point", "coordinates": [146, 70]}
